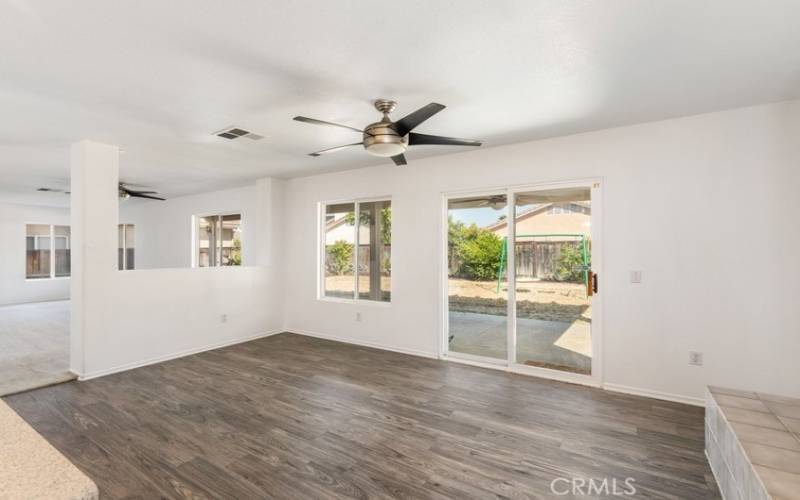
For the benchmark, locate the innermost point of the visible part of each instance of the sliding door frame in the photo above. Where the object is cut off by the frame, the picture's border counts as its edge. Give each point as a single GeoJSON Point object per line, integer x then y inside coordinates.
{"type": "Point", "coordinates": [444, 348]}
{"type": "Point", "coordinates": [510, 364]}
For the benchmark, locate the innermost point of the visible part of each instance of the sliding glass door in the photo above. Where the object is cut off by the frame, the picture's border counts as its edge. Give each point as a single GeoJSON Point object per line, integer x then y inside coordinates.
{"type": "Point", "coordinates": [520, 283]}
{"type": "Point", "coordinates": [552, 263]}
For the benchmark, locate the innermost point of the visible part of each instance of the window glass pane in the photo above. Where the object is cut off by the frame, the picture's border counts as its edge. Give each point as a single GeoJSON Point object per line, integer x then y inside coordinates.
{"type": "Point", "coordinates": [126, 246]}
{"type": "Point", "coordinates": [340, 250]}
{"type": "Point", "coordinates": [206, 235]}
{"type": "Point", "coordinates": [552, 268]}
{"type": "Point", "coordinates": [374, 250]}
{"type": "Point", "coordinates": [62, 248]}
{"type": "Point", "coordinates": [120, 246]}
{"type": "Point", "coordinates": [365, 257]}
{"type": "Point", "coordinates": [37, 255]}
{"type": "Point", "coordinates": [130, 247]}
{"type": "Point", "coordinates": [477, 252]}
{"type": "Point", "coordinates": [231, 236]}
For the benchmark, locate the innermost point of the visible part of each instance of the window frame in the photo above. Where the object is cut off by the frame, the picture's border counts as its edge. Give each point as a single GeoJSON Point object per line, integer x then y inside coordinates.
{"type": "Point", "coordinates": [52, 237]}
{"type": "Point", "coordinates": [322, 251]}
{"type": "Point", "coordinates": [196, 238]}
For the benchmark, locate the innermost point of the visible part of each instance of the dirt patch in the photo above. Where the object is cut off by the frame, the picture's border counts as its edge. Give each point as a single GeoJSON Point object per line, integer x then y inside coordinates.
{"type": "Point", "coordinates": [548, 301]}
{"type": "Point", "coordinates": [547, 311]}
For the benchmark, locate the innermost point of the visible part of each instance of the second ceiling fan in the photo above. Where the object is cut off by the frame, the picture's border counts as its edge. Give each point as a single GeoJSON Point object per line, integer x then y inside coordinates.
{"type": "Point", "coordinates": [390, 139]}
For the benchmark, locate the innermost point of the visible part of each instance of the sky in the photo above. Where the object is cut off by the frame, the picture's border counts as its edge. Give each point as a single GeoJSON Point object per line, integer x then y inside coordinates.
{"type": "Point", "coordinates": [483, 216]}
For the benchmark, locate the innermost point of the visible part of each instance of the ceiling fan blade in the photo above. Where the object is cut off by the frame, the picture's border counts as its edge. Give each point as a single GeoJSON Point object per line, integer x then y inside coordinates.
{"type": "Point", "coordinates": [415, 139]}
{"type": "Point", "coordinates": [314, 121]}
{"type": "Point", "coordinates": [399, 159]}
{"type": "Point", "coordinates": [141, 192]}
{"type": "Point", "coordinates": [135, 194]}
{"type": "Point", "coordinates": [410, 122]}
{"type": "Point", "coordinates": [333, 150]}
{"type": "Point", "coordinates": [468, 203]}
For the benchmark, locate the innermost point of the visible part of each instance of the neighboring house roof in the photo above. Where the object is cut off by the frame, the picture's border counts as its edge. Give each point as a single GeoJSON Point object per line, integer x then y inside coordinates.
{"type": "Point", "coordinates": [530, 212]}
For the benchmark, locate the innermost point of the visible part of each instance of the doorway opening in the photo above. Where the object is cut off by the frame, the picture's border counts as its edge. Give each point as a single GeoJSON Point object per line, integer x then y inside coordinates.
{"type": "Point", "coordinates": [34, 301]}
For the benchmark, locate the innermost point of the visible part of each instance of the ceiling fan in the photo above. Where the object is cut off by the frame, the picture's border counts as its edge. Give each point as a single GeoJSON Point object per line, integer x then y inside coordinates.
{"type": "Point", "coordinates": [123, 191]}
{"type": "Point", "coordinates": [390, 139]}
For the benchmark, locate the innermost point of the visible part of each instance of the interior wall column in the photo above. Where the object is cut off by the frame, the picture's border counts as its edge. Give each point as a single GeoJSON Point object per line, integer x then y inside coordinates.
{"type": "Point", "coordinates": [94, 211]}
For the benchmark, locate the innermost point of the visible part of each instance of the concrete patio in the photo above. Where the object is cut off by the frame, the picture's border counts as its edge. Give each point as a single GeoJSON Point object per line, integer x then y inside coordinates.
{"type": "Point", "coordinates": [552, 344]}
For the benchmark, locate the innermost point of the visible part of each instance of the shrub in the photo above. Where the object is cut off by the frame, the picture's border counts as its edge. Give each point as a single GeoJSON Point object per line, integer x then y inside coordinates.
{"type": "Point", "coordinates": [480, 256]}
{"type": "Point", "coordinates": [569, 264]}
{"type": "Point", "coordinates": [236, 253]}
{"type": "Point", "coordinates": [340, 258]}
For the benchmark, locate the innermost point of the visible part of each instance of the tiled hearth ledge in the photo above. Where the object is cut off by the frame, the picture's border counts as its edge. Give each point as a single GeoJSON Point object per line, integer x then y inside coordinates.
{"type": "Point", "coordinates": [30, 468]}
{"type": "Point", "coordinates": [753, 444]}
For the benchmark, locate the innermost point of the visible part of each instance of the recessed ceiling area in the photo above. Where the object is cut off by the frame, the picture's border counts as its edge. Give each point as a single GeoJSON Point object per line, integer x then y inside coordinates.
{"type": "Point", "coordinates": [160, 83]}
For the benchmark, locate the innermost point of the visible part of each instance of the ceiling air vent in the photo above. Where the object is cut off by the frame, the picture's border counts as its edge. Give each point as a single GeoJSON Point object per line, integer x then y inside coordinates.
{"type": "Point", "coordinates": [235, 133]}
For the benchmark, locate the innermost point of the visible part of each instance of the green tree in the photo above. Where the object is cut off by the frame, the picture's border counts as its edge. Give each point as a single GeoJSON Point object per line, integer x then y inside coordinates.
{"type": "Point", "coordinates": [340, 258]}
{"type": "Point", "coordinates": [480, 256]}
{"type": "Point", "coordinates": [236, 253]}
{"type": "Point", "coordinates": [474, 252]}
{"type": "Point", "coordinates": [365, 219]}
{"type": "Point", "coordinates": [569, 264]}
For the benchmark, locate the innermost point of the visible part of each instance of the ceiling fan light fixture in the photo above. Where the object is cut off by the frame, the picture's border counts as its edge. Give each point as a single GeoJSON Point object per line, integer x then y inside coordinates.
{"type": "Point", "coordinates": [386, 149]}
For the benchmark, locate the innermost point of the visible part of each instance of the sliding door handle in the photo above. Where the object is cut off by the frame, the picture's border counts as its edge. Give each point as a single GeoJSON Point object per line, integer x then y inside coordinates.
{"type": "Point", "coordinates": [591, 283]}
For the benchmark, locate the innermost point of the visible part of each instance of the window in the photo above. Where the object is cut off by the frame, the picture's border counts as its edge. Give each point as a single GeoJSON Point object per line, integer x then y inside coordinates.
{"type": "Point", "coordinates": [567, 208]}
{"type": "Point", "coordinates": [125, 254]}
{"type": "Point", "coordinates": [47, 252]}
{"type": "Point", "coordinates": [356, 261]}
{"type": "Point", "coordinates": [219, 240]}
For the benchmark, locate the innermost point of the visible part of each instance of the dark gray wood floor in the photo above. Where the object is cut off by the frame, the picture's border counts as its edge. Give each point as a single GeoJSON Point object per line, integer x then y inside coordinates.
{"type": "Point", "coordinates": [297, 417]}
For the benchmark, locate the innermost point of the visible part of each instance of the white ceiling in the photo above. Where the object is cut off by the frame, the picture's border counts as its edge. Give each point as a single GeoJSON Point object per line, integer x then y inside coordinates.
{"type": "Point", "coordinates": [158, 77]}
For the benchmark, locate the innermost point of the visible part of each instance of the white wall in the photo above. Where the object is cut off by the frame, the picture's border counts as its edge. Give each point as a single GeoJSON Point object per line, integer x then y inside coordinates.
{"type": "Point", "coordinates": [163, 229]}
{"type": "Point", "coordinates": [707, 206]}
{"type": "Point", "coordinates": [14, 288]}
{"type": "Point", "coordinates": [123, 319]}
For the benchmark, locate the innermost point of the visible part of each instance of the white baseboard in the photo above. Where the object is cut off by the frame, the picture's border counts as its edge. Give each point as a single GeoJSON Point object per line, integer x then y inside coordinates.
{"type": "Point", "coordinates": [401, 350]}
{"type": "Point", "coordinates": [666, 396]}
{"type": "Point", "coordinates": [167, 357]}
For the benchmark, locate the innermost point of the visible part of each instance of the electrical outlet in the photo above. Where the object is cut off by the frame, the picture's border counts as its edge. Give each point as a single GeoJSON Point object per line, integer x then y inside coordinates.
{"type": "Point", "coordinates": [696, 358]}
{"type": "Point", "coordinates": [636, 276]}
{"type": "Point", "coordinates": [223, 318]}
{"type": "Point", "coordinates": [358, 316]}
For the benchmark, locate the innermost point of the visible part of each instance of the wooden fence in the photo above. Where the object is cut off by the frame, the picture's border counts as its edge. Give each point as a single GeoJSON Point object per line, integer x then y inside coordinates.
{"type": "Point", "coordinates": [538, 259]}
{"type": "Point", "coordinates": [533, 259]}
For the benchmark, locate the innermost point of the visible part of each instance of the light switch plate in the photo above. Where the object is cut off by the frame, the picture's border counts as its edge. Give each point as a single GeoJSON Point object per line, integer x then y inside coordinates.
{"type": "Point", "coordinates": [636, 276]}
